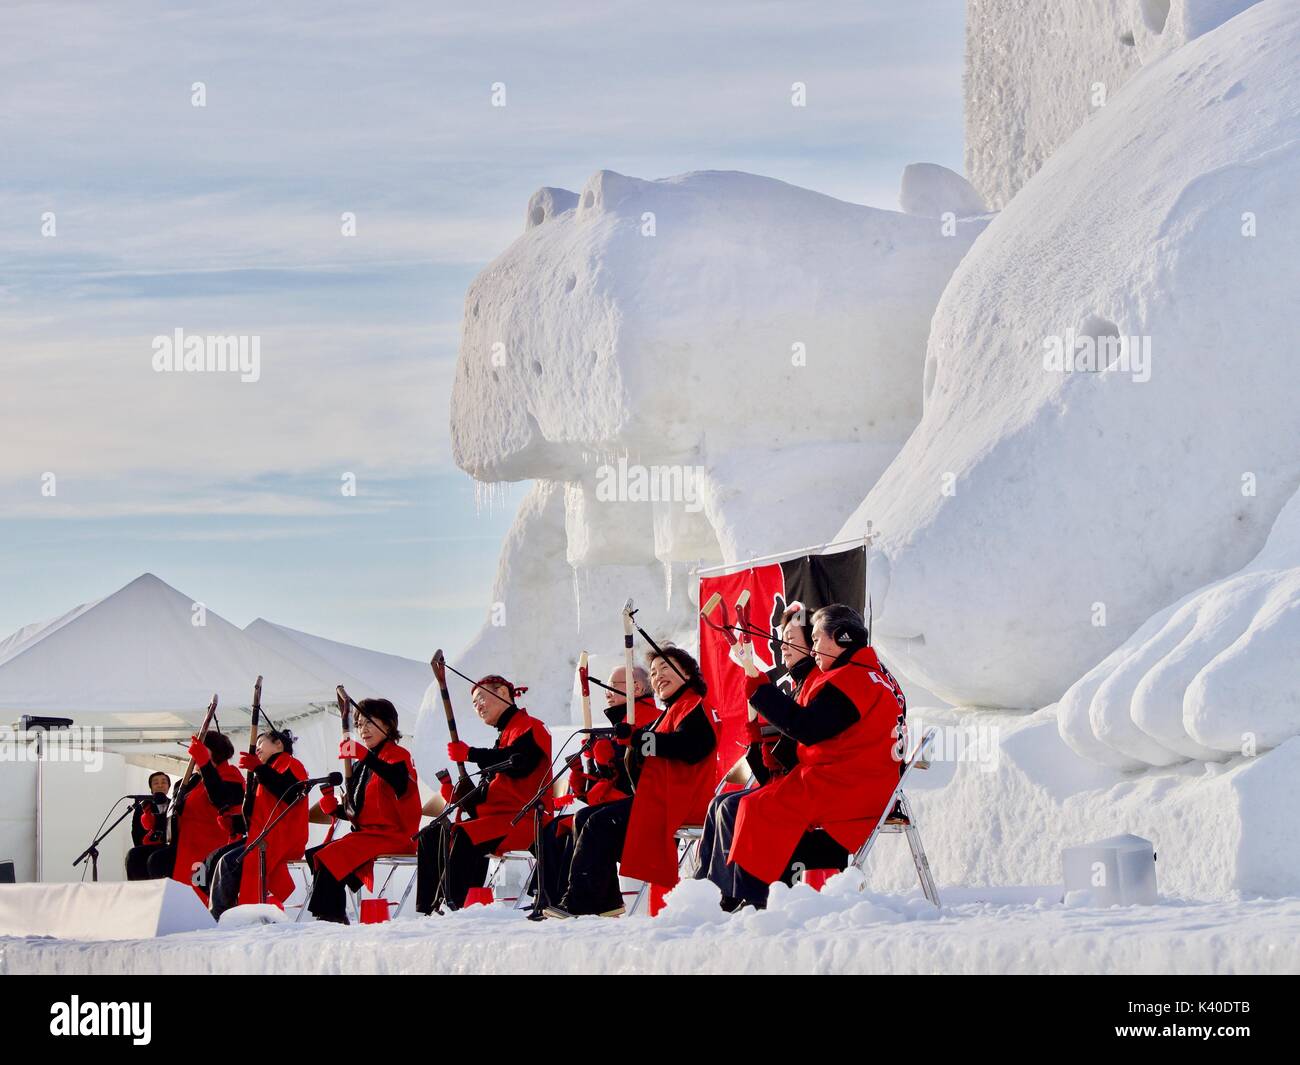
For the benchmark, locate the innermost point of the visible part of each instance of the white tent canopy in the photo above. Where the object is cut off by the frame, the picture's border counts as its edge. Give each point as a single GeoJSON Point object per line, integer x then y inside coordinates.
{"type": "Point", "coordinates": [143, 664]}
{"type": "Point", "coordinates": [141, 653]}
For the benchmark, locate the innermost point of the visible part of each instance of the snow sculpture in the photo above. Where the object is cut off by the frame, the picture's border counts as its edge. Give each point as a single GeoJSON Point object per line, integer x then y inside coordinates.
{"type": "Point", "coordinates": [1038, 516]}
{"type": "Point", "coordinates": [696, 367]}
{"type": "Point", "coordinates": [1209, 677]}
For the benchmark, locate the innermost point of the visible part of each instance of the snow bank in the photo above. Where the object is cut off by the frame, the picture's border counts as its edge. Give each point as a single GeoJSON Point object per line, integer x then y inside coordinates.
{"type": "Point", "coordinates": [1007, 794]}
{"type": "Point", "coordinates": [1010, 931]}
{"type": "Point", "coordinates": [1211, 676]}
{"type": "Point", "coordinates": [1037, 517]}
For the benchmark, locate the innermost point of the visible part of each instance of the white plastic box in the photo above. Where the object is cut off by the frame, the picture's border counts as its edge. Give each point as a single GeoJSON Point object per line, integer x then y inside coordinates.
{"type": "Point", "coordinates": [1119, 871]}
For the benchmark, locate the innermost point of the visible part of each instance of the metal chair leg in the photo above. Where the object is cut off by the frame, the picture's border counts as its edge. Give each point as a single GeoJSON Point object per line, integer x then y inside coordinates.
{"type": "Point", "coordinates": [919, 859]}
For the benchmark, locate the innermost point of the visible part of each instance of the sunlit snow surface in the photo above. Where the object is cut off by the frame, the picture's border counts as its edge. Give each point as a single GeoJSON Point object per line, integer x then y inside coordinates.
{"type": "Point", "coordinates": [841, 930]}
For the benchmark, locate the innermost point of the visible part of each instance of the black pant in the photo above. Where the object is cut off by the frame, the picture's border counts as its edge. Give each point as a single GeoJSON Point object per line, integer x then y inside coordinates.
{"type": "Point", "coordinates": [816, 850]}
{"type": "Point", "coordinates": [554, 857]}
{"type": "Point", "coordinates": [599, 832]}
{"type": "Point", "coordinates": [225, 867]}
{"type": "Point", "coordinates": [329, 900]}
{"type": "Point", "coordinates": [159, 863]}
{"type": "Point", "coordinates": [448, 864]}
{"type": "Point", "coordinates": [137, 862]}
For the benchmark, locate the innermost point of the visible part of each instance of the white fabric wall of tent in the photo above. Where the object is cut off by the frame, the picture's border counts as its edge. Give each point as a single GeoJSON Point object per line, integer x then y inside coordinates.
{"type": "Point", "coordinates": [142, 665]}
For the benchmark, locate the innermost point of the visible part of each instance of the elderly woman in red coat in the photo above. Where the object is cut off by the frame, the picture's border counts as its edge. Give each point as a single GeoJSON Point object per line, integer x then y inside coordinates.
{"type": "Point", "coordinates": [385, 812]}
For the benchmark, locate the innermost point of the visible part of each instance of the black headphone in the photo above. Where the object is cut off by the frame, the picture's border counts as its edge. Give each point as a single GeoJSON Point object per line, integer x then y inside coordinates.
{"type": "Point", "coordinates": [846, 634]}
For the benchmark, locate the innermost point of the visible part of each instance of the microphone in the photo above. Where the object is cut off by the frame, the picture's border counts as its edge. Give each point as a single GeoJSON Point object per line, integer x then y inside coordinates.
{"type": "Point", "coordinates": [333, 780]}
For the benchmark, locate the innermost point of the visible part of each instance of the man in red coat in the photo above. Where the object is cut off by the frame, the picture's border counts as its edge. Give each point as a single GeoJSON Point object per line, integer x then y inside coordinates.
{"type": "Point", "coordinates": [771, 755]}
{"type": "Point", "coordinates": [672, 766]}
{"type": "Point", "coordinates": [453, 855]}
{"type": "Point", "coordinates": [385, 811]}
{"type": "Point", "coordinates": [848, 758]}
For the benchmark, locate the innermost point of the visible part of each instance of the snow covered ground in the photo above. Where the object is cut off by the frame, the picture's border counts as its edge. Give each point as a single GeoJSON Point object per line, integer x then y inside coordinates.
{"type": "Point", "coordinates": [1000, 930]}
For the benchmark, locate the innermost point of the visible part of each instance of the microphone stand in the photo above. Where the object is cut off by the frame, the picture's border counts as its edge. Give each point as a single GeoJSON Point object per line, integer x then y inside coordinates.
{"type": "Point", "coordinates": [260, 842]}
{"type": "Point", "coordinates": [92, 852]}
{"type": "Point", "coordinates": [475, 794]}
{"type": "Point", "coordinates": [537, 807]}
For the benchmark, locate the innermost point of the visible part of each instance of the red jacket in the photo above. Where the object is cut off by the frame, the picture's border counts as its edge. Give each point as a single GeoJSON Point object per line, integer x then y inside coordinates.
{"type": "Point", "coordinates": [201, 828]}
{"type": "Point", "coordinates": [506, 795]}
{"type": "Point", "coordinates": [841, 784]}
{"type": "Point", "coordinates": [285, 842]}
{"type": "Point", "coordinates": [669, 794]}
{"type": "Point", "coordinates": [384, 824]}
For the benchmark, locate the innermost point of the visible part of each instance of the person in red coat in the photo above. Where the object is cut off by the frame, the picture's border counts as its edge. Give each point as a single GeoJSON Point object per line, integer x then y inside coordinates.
{"type": "Point", "coordinates": [848, 757]}
{"type": "Point", "coordinates": [453, 855]}
{"type": "Point", "coordinates": [597, 775]}
{"type": "Point", "coordinates": [385, 812]}
{"type": "Point", "coordinates": [771, 755]}
{"type": "Point", "coordinates": [673, 768]}
{"type": "Point", "coordinates": [280, 800]}
{"type": "Point", "coordinates": [206, 803]}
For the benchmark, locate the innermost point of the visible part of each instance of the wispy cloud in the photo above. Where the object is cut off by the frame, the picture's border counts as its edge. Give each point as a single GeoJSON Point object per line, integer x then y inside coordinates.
{"type": "Point", "coordinates": [226, 219]}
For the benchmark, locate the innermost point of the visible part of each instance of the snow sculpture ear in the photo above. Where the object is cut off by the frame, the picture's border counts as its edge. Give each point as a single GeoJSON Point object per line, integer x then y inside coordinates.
{"type": "Point", "coordinates": [546, 203]}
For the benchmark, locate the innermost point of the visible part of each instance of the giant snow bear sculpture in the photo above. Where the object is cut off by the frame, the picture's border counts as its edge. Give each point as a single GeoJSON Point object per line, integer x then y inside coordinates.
{"type": "Point", "coordinates": [755, 346]}
{"type": "Point", "coordinates": [1037, 517]}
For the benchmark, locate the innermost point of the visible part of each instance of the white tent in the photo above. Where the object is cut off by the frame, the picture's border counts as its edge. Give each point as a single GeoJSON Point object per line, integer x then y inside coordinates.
{"type": "Point", "coordinates": [139, 667]}
{"type": "Point", "coordinates": [371, 673]}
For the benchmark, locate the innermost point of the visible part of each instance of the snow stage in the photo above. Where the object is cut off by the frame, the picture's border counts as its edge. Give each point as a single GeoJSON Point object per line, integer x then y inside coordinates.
{"type": "Point", "coordinates": [1003, 930]}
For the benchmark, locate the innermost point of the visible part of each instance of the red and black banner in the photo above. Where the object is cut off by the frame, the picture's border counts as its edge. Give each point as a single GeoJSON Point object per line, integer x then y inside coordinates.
{"type": "Point", "coordinates": [813, 580]}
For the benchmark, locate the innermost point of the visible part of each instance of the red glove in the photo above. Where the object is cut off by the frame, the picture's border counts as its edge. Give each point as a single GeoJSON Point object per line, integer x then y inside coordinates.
{"type": "Point", "coordinates": [147, 820]}
{"type": "Point", "coordinates": [328, 804]}
{"type": "Point", "coordinates": [602, 791]}
{"type": "Point", "coordinates": [352, 749]}
{"type": "Point", "coordinates": [754, 731]}
{"type": "Point", "coordinates": [445, 789]}
{"type": "Point", "coordinates": [769, 757]}
{"type": "Point", "coordinates": [752, 684]}
{"type": "Point", "coordinates": [602, 751]}
{"type": "Point", "coordinates": [248, 760]}
{"type": "Point", "coordinates": [564, 801]}
{"type": "Point", "coordinates": [458, 751]}
{"type": "Point", "coordinates": [200, 754]}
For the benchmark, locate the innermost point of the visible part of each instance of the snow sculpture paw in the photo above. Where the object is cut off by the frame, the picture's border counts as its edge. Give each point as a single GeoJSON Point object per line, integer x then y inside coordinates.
{"type": "Point", "coordinates": [1211, 676]}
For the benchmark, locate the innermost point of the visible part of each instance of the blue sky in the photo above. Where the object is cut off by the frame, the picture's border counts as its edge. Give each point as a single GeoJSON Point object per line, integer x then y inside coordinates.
{"type": "Point", "coordinates": [225, 219]}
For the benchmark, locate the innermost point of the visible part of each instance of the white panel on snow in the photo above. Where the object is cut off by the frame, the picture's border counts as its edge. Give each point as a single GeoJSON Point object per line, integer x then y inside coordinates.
{"type": "Point", "coordinates": [138, 910]}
